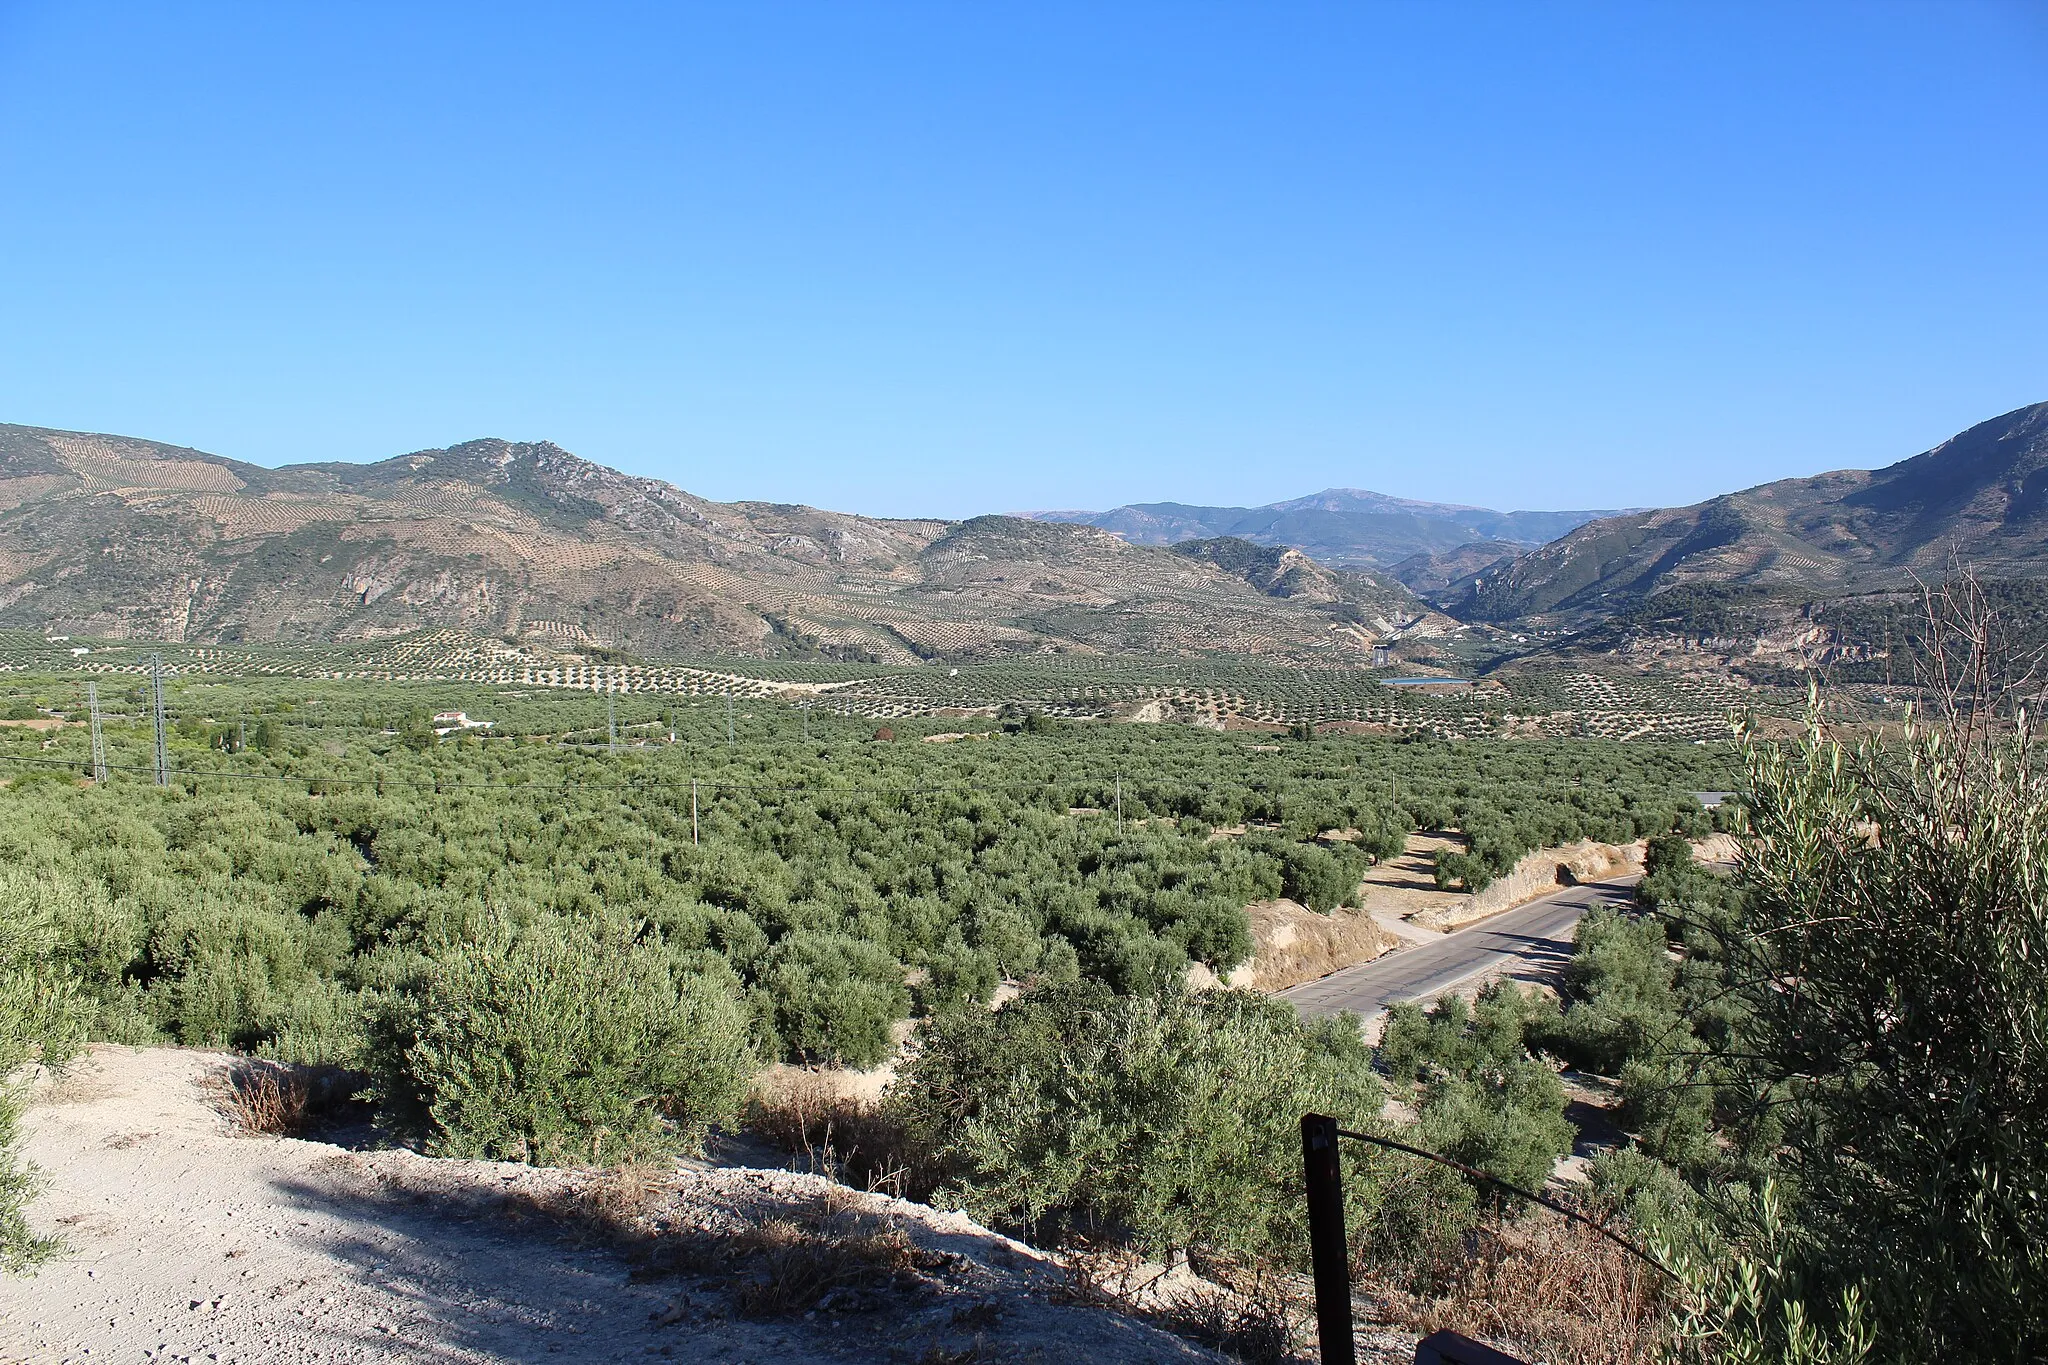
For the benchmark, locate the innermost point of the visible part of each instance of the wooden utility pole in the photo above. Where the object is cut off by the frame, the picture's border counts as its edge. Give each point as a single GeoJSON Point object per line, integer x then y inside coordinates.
{"type": "Point", "coordinates": [693, 812]}
{"type": "Point", "coordinates": [99, 743]}
{"type": "Point", "coordinates": [1327, 1250]}
{"type": "Point", "coordinates": [163, 754]}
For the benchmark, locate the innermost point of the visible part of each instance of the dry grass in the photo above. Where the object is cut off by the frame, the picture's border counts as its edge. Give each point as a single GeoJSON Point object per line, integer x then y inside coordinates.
{"type": "Point", "coordinates": [828, 1252]}
{"type": "Point", "coordinates": [1255, 1314]}
{"type": "Point", "coordinates": [265, 1099]}
{"type": "Point", "coordinates": [980, 1351]}
{"type": "Point", "coordinates": [831, 1254]}
{"type": "Point", "coordinates": [1556, 1290]}
{"type": "Point", "coordinates": [855, 1142]}
{"type": "Point", "coordinates": [1259, 1322]}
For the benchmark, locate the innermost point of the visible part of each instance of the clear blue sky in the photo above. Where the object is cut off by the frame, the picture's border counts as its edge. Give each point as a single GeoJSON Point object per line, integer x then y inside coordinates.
{"type": "Point", "coordinates": [957, 258]}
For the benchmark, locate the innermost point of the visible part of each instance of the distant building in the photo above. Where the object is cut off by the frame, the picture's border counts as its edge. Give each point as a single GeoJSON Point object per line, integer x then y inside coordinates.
{"type": "Point", "coordinates": [1382, 655]}
{"type": "Point", "coordinates": [448, 722]}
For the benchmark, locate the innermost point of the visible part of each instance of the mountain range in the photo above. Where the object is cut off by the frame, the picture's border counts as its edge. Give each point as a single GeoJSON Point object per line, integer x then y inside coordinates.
{"type": "Point", "coordinates": [1980, 497]}
{"type": "Point", "coordinates": [1343, 526]}
{"type": "Point", "coordinates": [118, 537]}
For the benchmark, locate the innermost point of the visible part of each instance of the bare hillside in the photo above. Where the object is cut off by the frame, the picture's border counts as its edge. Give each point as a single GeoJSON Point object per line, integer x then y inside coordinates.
{"type": "Point", "coordinates": [122, 538]}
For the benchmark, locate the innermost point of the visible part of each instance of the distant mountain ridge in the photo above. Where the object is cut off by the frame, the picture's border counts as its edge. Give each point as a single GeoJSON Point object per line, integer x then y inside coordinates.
{"type": "Point", "coordinates": [1981, 496]}
{"type": "Point", "coordinates": [119, 537]}
{"type": "Point", "coordinates": [1339, 526]}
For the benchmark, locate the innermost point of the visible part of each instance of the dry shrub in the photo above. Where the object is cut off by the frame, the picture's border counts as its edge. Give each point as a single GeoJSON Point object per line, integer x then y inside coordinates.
{"type": "Point", "coordinates": [855, 1142]}
{"type": "Point", "coordinates": [269, 1099]}
{"type": "Point", "coordinates": [1256, 1322]}
{"type": "Point", "coordinates": [826, 1253]}
{"type": "Point", "coordinates": [980, 1351]}
{"type": "Point", "coordinates": [1253, 1313]}
{"type": "Point", "coordinates": [1557, 1289]}
{"type": "Point", "coordinates": [605, 1208]}
{"type": "Point", "coordinates": [282, 1099]}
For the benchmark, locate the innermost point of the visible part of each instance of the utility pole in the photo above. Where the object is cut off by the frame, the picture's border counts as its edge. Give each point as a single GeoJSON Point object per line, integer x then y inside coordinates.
{"type": "Point", "coordinates": [99, 743]}
{"type": "Point", "coordinates": [807, 722]}
{"type": "Point", "coordinates": [1119, 803]}
{"type": "Point", "coordinates": [611, 722]}
{"type": "Point", "coordinates": [1324, 1178]}
{"type": "Point", "coordinates": [693, 812]}
{"type": "Point", "coordinates": [728, 713]}
{"type": "Point", "coordinates": [241, 735]}
{"type": "Point", "coordinates": [156, 687]}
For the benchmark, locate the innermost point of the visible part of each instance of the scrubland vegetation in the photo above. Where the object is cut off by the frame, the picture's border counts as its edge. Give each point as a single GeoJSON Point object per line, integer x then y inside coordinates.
{"type": "Point", "coordinates": [1830, 1065]}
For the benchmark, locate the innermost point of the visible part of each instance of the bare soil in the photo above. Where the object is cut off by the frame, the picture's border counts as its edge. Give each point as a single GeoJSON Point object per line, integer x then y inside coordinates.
{"type": "Point", "coordinates": [187, 1241]}
{"type": "Point", "coordinates": [1293, 944]}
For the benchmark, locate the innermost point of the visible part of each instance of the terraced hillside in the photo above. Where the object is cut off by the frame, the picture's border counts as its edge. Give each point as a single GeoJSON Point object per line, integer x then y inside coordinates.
{"type": "Point", "coordinates": [1556, 702]}
{"type": "Point", "coordinates": [113, 537]}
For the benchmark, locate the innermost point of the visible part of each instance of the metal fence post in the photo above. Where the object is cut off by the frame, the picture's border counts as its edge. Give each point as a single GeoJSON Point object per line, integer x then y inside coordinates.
{"type": "Point", "coordinates": [1324, 1177]}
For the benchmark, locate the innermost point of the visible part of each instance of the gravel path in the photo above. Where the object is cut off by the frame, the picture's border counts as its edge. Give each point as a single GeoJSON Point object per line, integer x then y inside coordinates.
{"type": "Point", "coordinates": [187, 1242]}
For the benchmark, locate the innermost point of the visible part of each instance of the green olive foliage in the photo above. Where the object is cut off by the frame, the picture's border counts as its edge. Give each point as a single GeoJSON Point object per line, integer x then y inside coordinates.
{"type": "Point", "coordinates": [1170, 1118]}
{"type": "Point", "coordinates": [277, 896]}
{"type": "Point", "coordinates": [41, 1019]}
{"type": "Point", "coordinates": [561, 1042]}
{"type": "Point", "coordinates": [1891, 959]}
{"type": "Point", "coordinates": [1620, 993]}
{"type": "Point", "coordinates": [239, 908]}
{"type": "Point", "coordinates": [1484, 1100]}
{"type": "Point", "coordinates": [836, 997]}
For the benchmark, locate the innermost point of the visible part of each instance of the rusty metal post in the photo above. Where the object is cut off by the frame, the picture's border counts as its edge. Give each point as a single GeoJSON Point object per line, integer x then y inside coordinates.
{"type": "Point", "coordinates": [1324, 1177]}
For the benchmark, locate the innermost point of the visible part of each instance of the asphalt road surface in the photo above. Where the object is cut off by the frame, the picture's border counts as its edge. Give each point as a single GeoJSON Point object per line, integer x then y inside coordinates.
{"type": "Point", "coordinates": [1530, 940]}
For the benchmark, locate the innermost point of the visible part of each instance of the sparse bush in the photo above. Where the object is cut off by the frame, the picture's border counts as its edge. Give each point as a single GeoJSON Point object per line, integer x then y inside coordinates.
{"type": "Point", "coordinates": [562, 1042]}
{"type": "Point", "coordinates": [1891, 963]}
{"type": "Point", "coordinates": [1758, 1301]}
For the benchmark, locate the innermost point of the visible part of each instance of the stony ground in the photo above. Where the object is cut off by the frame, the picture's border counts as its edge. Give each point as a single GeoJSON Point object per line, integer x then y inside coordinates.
{"type": "Point", "coordinates": [189, 1242]}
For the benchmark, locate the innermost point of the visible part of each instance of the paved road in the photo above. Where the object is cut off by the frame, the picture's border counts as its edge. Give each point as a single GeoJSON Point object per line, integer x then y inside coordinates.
{"type": "Point", "coordinates": [1531, 939]}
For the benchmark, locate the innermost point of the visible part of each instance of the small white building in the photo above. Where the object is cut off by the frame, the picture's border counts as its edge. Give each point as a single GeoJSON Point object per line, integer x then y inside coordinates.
{"type": "Point", "coordinates": [448, 722]}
